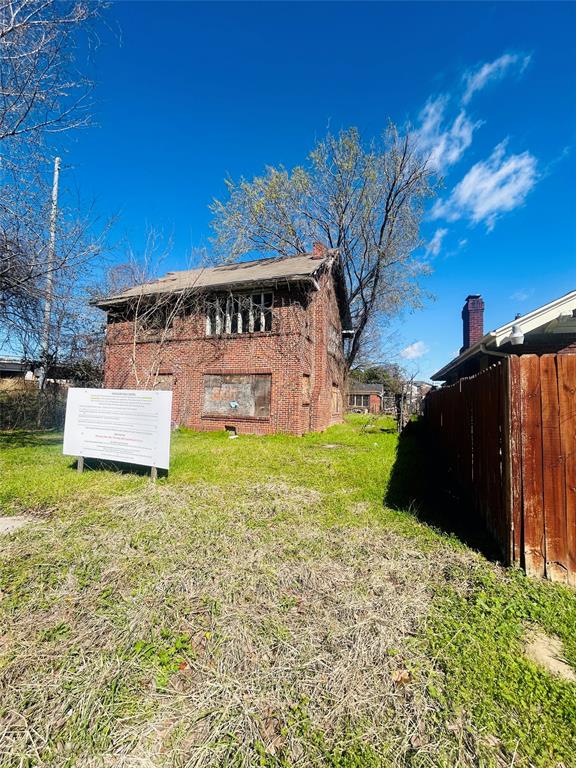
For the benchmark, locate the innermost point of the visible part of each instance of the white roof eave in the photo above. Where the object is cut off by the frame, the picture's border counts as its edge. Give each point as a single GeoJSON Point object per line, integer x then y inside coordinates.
{"type": "Point", "coordinates": [538, 317]}
{"type": "Point", "coordinates": [486, 340]}
{"type": "Point", "coordinates": [528, 322]}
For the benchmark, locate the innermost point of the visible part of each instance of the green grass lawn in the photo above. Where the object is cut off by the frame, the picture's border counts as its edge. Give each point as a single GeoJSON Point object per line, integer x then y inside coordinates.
{"type": "Point", "coordinates": [262, 606]}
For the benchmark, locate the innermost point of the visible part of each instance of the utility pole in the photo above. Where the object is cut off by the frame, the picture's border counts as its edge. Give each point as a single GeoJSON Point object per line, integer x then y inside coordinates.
{"type": "Point", "coordinates": [50, 273]}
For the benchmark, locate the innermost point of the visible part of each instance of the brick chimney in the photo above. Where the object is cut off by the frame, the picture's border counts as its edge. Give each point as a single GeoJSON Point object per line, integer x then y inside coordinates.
{"type": "Point", "coordinates": [318, 250]}
{"type": "Point", "coordinates": [472, 321]}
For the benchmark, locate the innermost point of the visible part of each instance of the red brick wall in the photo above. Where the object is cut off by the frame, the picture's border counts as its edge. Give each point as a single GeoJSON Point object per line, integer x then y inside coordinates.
{"type": "Point", "coordinates": [327, 364]}
{"type": "Point", "coordinates": [307, 341]}
{"type": "Point", "coordinates": [374, 404]}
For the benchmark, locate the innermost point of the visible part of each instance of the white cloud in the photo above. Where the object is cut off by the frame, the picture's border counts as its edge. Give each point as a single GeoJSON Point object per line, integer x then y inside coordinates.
{"type": "Point", "coordinates": [414, 351]}
{"type": "Point", "coordinates": [490, 188]}
{"type": "Point", "coordinates": [435, 244]}
{"type": "Point", "coordinates": [443, 143]}
{"type": "Point", "coordinates": [477, 79]}
{"type": "Point", "coordinates": [522, 294]}
{"type": "Point", "coordinates": [463, 242]}
{"type": "Point", "coordinates": [445, 138]}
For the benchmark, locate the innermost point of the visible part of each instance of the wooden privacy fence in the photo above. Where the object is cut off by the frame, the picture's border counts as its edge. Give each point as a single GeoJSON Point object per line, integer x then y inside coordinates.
{"type": "Point", "coordinates": [507, 439]}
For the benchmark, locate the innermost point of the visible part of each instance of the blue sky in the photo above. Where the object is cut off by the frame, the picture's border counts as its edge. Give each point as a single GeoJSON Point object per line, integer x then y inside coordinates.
{"type": "Point", "coordinates": [190, 93]}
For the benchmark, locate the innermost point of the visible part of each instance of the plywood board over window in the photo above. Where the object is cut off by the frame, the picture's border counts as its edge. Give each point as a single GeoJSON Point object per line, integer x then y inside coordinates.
{"type": "Point", "coordinates": [164, 381]}
{"type": "Point", "coordinates": [305, 389]}
{"type": "Point", "coordinates": [335, 399]}
{"type": "Point", "coordinates": [237, 395]}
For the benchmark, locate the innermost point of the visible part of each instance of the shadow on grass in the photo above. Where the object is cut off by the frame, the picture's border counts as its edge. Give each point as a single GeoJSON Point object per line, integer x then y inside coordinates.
{"type": "Point", "coordinates": [420, 484]}
{"type": "Point", "coordinates": [22, 438]}
{"type": "Point", "coordinates": [120, 467]}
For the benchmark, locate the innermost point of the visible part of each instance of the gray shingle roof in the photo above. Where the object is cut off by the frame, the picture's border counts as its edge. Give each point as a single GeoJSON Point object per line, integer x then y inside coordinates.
{"type": "Point", "coordinates": [358, 388]}
{"type": "Point", "coordinates": [262, 271]}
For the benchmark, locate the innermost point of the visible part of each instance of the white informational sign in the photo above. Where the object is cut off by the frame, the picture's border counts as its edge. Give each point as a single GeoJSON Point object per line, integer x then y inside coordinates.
{"type": "Point", "coordinates": [130, 425]}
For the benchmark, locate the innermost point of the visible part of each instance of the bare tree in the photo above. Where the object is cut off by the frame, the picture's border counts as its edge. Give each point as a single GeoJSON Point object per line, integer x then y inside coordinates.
{"type": "Point", "coordinates": [149, 316]}
{"type": "Point", "coordinates": [365, 201]}
{"type": "Point", "coordinates": [76, 330]}
{"type": "Point", "coordinates": [43, 91]}
{"type": "Point", "coordinates": [41, 86]}
{"type": "Point", "coordinates": [23, 294]}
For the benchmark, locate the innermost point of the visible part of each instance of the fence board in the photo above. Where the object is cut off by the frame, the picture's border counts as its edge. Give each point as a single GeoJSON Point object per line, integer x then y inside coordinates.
{"type": "Point", "coordinates": [514, 459]}
{"type": "Point", "coordinates": [553, 473]}
{"type": "Point", "coordinates": [567, 403]}
{"type": "Point", "coordinates": [534, 541]}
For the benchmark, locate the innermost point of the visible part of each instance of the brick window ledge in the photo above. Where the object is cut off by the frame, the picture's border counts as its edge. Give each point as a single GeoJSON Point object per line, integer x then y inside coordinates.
{"type": "Point", "coordinates": [222, 417]}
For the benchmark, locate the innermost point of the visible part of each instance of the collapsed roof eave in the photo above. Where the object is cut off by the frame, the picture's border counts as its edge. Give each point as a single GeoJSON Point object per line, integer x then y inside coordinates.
{"type": "Point", "coordinates": [114, 301]}
{"type": "Point", "coordinates": [259, 272]}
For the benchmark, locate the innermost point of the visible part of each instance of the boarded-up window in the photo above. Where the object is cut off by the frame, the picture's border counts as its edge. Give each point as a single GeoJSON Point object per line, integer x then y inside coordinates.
{"type": "Point", "coordinates": [305, 389]}
{"type": "Point", "coordinates": [335, 399]}
{"type": "Point", "coordinates": [334, 341]}
{"type": "Point", "coordinates": [164, 381]}
{"type": "Point", "coordinates": [237, 395]}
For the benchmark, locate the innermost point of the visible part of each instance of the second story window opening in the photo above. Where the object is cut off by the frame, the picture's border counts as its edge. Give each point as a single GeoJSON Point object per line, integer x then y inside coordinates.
{"type": "Point", "coordinates": [240, 313]}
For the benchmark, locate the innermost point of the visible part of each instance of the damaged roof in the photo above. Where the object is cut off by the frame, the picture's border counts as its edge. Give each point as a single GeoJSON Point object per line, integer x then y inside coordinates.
{"type": "Point", "coordinates": [240, 274]}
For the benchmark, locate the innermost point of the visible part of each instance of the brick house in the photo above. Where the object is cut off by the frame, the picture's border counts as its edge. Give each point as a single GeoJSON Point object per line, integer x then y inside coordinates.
{"type": "Point", "coordinates": [366, 398]}
{"type": "Point", "coordinates": [253, 346]}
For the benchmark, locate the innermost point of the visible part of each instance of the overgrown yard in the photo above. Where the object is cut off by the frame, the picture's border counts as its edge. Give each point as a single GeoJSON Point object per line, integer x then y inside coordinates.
{"type": "Point", "coordinates": [263, 607]}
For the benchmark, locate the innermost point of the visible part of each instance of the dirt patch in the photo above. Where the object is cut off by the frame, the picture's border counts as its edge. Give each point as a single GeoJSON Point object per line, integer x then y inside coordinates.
{"type": "Point", "coordinates": [548, 652]}
{"type": "Point", "coordinates": [10, 524]}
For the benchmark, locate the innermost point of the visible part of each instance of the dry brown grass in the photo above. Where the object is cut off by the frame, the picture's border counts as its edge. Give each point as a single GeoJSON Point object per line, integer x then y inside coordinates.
{"type": "Point", "coordinates": [195, 627]}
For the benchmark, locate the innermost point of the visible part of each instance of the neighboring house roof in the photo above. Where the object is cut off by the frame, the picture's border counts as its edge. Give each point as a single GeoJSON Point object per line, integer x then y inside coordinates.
{"type": "Point", "coordinates": [357, 388]}
{"type": "Point", "coordinates": [12, 365]}
{"type": "Point", "coordinates": [264, 272]}
{"type": "Point", "coordinates": [555, 317]}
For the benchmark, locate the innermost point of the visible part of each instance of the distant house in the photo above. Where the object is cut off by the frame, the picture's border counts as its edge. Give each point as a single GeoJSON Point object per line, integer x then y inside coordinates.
{"type": "Point", "coordinates": [547, 329]}
{"type": "Point", "coordinates": [15, 374]}
{"type": "Point", "coordinates": [254, 346]}
{"type": "Point", "coordinates": [365, 398]}
{"type": "Point", "coordinates": [12, 367]}
{"type": "Point", "coordinates": [376, 398]}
